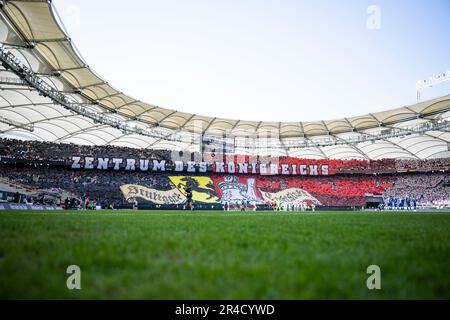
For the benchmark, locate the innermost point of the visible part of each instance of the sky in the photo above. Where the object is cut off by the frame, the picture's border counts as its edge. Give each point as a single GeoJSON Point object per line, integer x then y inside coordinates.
{"type": "Point", "coordinates": [265, 60]}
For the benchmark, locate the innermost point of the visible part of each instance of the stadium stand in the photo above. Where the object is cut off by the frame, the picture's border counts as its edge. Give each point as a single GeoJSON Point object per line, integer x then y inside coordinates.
{"type": "Point", "coordinates": [37, 171]}
{"type": "Point", "coordinates": [101, 186]}
{"type": "Point", "coordinates": [54, 107]}
{"type": "Point", "coordinates": [431, 190]}
{"type": "Point", "coordinates": [63, 152]}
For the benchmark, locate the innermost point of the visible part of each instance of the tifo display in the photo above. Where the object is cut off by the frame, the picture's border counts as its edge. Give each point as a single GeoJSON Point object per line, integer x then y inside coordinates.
{"type": "Point", "coordinates": [41, 179]}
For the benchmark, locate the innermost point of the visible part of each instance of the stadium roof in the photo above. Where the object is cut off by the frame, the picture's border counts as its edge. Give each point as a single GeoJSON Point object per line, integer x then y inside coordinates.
{"type": "Point", "coordinates": [31, 31]}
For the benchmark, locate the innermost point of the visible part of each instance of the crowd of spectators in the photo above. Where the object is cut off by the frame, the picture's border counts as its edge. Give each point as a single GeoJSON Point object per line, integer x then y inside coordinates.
{"type": "Point", "coordinates": [430, 190]}
{"type": "Point", "coordinates": [61, 152]}
{"type": "Point", "coordinates": [402, 165]}
{"type": "Point", "coordinates": [50, 151]}
{"type": "Point", "coordinates": [342, 190]}
{"type": "Point", "coordinates": [101, 186]}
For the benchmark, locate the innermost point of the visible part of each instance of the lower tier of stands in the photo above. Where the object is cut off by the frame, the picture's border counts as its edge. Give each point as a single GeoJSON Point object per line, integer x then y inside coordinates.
{"type": "Point", "coordinates": [104, 187]}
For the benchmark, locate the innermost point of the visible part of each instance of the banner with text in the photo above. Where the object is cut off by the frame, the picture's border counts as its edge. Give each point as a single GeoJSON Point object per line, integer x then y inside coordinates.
{"type": "Point", "coordinates": [132, 191]}
{"type": "Point", "coordinates": [273, 167]}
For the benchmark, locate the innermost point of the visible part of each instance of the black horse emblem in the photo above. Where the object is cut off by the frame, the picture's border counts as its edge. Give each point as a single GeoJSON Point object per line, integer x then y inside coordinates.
{"type": "Point", "coordinates": [195, 187]}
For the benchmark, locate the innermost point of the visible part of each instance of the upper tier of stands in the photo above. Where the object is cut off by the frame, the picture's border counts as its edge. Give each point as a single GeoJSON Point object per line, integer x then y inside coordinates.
{"type": "Point", "coordinates": [63, 153]}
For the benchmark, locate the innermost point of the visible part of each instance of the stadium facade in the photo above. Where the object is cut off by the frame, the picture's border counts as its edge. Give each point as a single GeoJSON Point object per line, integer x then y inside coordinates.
{"type": "Point", "coordinates": [50, 96]}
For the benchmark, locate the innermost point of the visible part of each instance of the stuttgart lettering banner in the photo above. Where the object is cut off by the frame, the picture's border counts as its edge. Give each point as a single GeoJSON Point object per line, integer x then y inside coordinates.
{"type": "Point", "coordinates": [173, 196]}
{"type": "Point", "coordinates": [291, 195]}
{"type": "Point", "coordinates": [147, 165]}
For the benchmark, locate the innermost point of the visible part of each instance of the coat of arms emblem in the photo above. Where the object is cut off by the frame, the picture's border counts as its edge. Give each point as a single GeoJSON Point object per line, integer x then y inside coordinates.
{"type": "Point", "coordinates": [233, 190]}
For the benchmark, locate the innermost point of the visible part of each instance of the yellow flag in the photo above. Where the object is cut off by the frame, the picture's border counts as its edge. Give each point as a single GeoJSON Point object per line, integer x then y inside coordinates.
{"type": "Point", "coordinates": [202, 187]}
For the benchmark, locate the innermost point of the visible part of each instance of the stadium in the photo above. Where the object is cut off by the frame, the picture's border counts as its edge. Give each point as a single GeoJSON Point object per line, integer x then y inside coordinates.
{"type": "Point", "coordinates": [156, 203]}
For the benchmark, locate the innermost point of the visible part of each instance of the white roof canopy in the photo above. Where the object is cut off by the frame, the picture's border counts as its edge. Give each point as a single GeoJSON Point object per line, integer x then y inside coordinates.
{"type": "Point", "coordinates": [30, 30]}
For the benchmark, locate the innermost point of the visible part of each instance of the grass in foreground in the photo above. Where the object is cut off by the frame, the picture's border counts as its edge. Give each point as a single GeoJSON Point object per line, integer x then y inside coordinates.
{"type": "Point", "coordinates": [217, 255]}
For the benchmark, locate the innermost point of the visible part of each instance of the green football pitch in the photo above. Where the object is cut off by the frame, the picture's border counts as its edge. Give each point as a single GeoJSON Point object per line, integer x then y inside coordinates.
{"type": "Point", "coordinates": [224, 255]}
